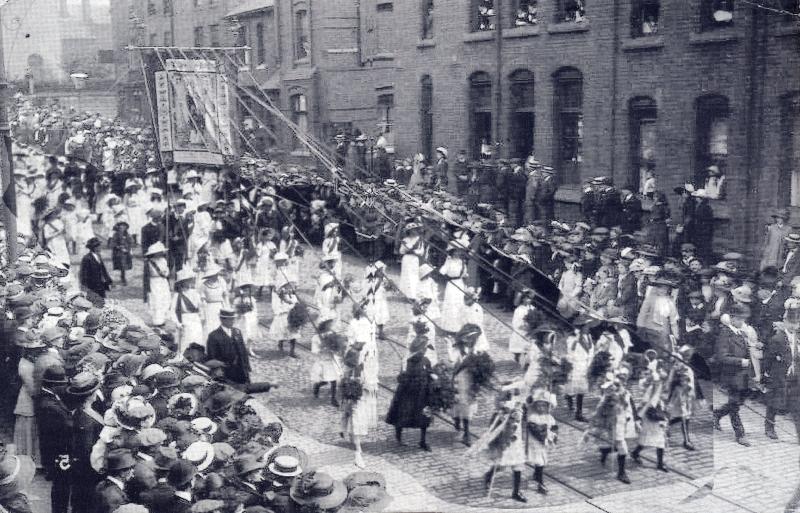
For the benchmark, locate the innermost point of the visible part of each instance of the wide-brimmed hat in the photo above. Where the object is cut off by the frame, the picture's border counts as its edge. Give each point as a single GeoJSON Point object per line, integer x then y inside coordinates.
{"type": "Point", "coordinates": [156, 249]}
{"type": "Point", "coordinates": [318, 488]}
{"type": "Point", "coordinates": [94, 242]}
{"type": "Point", "coordinates": [181, 473]}
{"type": "Point", "coordinates": [226, 313]}
{"type": "Point", "coordinates": [185, 275]}
{"type": "Point", "coordinates": [285, 466]}
{"type": "Point", "coordinates": [119, 459]}
{"type": "Point", "coordinates": [28, 340]}
{"type": "Point", "coordinates": [793, 237]}
{"type": "Point", "coordinates": [200, 454]}
{"type": "Point", "coordinates": [54, 375]}
{"type": "Point", "coordinates": [247, 463]}
{"type": "Point", "coordinates": [782, 213]}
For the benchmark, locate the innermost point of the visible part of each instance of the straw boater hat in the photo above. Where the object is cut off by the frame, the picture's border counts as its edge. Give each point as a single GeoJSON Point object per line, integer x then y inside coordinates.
{"type": "Point", "coordinates": [318, 489]}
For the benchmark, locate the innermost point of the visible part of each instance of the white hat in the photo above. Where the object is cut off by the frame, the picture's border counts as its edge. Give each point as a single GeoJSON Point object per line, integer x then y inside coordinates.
{"type": "Point", "coordinates": [280, 255]}
{"type": "Point", "coordinates": [200, 454]}
{"type": "Point", "coordinates": [442, 150]}
{"type": "Point", "coordinates": [184, 274]}
{"type": "Point", "coordinates": [329, 227]}
{"type": "Point", "coordinates": [700, 193]}
{"type": "Point", "coordinates": [212, 270]}
{"type": "Point", "coordinates": [155, 249]}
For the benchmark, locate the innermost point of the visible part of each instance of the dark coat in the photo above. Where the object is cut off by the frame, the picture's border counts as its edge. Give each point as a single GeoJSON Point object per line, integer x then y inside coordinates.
{"type": "Point", "coordinates": [121, 252]}
{"type": "Point", "coordinates": [628, 297]}
{"type": "Point", "coordinates": [729, 352]}
{"type": "Point", "coordinates": [86, 431]}
{"type": "Point", "coordinates": [55, 423]}
{"type": "Point", "coordinates": [774, 365]}
{"type": "Point", "coordinates": [231, 351]}
{"type": "Point", "coordinates": [631, 218]}
{"type": "Point", "coordinates": [703, 230]}
{"type": "Point", "coordinates": [411, 396]}
{"type": "Point", "coordinates": [108, 497]}
{"type": "Point", "coordinates": [152, 233]}
{"type": "Point", "coordinates": [94, 276]}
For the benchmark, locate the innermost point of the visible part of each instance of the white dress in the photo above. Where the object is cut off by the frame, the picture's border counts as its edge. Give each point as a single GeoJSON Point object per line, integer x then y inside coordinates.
{"type": "Point", "coordinates": [281, 306]}
{"type": "Point", "coordinates": [428, 288]}
{"type": "Point", "coordinates": [213, 295]}
{"type": "Point", "coordinates": [580, 357]}
{"type": "Point", "coordinates": [377, 308]}
{"type": "Point", "coordinates": [412, 250]}
{"type": "Point", "coordinates": [330, 247]}
{"type": "Point", "coordinates": [473, 314]}
{"type": "Point", "coordinates": [70, 220]}
{"type": "Point", "coordinates": [159, 297]}
{"type": "Point", "coordinates": [292, 269]}
{"type": "Point", "coordinates": [362, 416]}
{"type": "Point", "coordinates": [55, 236]}
{"type": "Point", "coordinates": [327, 365]}
{"type": "Point", "coordinates": [200, 234]}
{"type": "Point", "coordinates": [25, 197]}
{"type": "Point", "coordinates": [190, 323]}
{"type": "Point", "coordinates": [360, 330]}
{"type": "Point", "coordinates": [518, 343]}
{"type": "Point", "coordinates": [247, 321]}
{"type": "Point", "coordinates": [455, 271]}
{"type": "Point", "coordinates": [135, 207]}
{"type": "Point", "coordinates": [537, 449]}
{"type": "Point", "coordinates": [326, 299]}
{"type": "Point", "coordinates": [84, 229]}
{"type": "Point", "coordinates": [264, 276]}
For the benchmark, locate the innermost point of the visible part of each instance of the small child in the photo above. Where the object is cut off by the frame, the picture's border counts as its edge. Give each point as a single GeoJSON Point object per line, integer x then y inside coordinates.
{"type": "Point", "coordinates": [541, 433]}
{"type": "Point", "coordinates": [653, 415]}
{"type": "Point", "coordinates": [283, 300]}
{"type": "Point", "coordinates": [518, 343]}
{"type": "Point", "coordinates": [121, 250]}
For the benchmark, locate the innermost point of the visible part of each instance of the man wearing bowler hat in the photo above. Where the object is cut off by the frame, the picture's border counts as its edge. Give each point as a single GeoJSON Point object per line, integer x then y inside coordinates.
{"type": "Point", "coordinates": [227, 345]}
{"type": "Point", "coordinates": [86, 426]}
{"type": "Point", "coordinates": [93, 275]}
{"type": "Point", "coordinates": [110, 492]}
{"type": "Point", "coordinates": [55, 428]}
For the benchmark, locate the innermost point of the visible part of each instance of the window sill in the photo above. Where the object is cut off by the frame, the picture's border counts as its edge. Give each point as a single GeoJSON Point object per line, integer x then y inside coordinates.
{"type": "Point", "coordinates": [426, 43]}
{"type": "Point", "coordinates": [721, 35]}
{"type": "Point", "coordinates": [383, 56]}
{"type": "Point", "coordinates": [788, 29]}
{"type": "Point", "coordinates": [567, 27]}
{"type": "Point", "coordinates": [643, 43]}
{"type": "Point", "coordinates": [380, 3]}
{"type": "Point", "coordinates": [522, 31]}
{"type": "Point", "coordinates": [480, 35]}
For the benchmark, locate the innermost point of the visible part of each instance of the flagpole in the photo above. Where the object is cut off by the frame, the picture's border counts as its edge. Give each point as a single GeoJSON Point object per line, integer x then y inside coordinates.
{"type": "Point", "coordinates": [9, 203]}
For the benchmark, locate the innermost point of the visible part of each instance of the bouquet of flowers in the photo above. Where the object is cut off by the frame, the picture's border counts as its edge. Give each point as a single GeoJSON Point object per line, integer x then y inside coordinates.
{"type": "Point", "coordinates": [481, 366]}
{"type": "Point", "coordinates": [298, 316]}
{"type": "Point", "coordinates": [352, 390]}
{"type": "Point", "coordinates": [601, 364]}
{"type": "Point", "coordinates": [441, 393]}
{"type": "Point", "coordinates": [334, 342]}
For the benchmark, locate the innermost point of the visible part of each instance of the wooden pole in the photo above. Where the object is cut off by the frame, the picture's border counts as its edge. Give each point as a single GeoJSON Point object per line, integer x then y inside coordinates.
{"type": "Point", "coordinates": [9, 203]}
{"type": "Point", "coordinates": [498, 89]}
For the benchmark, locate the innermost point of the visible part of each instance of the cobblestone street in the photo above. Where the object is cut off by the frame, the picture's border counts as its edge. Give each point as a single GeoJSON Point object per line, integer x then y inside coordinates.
{"type": "Point", "coordinates": [719, 476]}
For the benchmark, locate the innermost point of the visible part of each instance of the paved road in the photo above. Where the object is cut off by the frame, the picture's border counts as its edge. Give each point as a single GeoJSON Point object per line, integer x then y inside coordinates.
{"type": "Point", "coordinates": [720, 476]}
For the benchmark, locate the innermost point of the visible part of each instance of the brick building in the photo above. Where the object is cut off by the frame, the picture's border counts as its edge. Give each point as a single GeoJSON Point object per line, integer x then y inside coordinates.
{"type": "Point", "coordinates": [617, 90]}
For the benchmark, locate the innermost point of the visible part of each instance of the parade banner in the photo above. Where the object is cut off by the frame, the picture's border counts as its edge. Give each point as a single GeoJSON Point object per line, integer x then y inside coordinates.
{"type": "Point", "coordinates": [193, 111]}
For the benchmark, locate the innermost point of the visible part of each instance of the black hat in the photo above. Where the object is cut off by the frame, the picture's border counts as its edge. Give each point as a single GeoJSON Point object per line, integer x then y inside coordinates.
{"type": "Point", "coordinates": [181, 473]}
{"type": "Point", "coordinates": [119, 459]}
{"type": "Point", "coordinates": [93, 243]}
{"type": "Point", "coordinates": [54, 375]}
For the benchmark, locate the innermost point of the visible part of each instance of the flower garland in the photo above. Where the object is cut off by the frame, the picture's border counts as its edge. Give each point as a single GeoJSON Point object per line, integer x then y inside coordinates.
{"type": "Point", "coordinates": [482, 367]}
{"type": "Point", "coordinates": [298, 316]}
{"type": "Point", "coordinates": [442, 393]}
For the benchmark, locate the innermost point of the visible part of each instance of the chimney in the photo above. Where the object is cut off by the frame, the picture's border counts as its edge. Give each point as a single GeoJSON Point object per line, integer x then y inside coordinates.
{"type": "Point", "coordinates": [86, 11]}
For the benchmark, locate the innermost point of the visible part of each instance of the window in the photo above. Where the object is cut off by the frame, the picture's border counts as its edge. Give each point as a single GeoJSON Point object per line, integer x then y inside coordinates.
{"type": "Point", "coordinates": [522, 113]}
{"type": "Point", "coordinates": [427, 19]}
{"type": "Point", "coordinates": [644, 17]}
{"type": "Point", "coordinates": [199, 36]}
{"type": "Point", "coordinates": [568, 118]}
{"type": "Point", "coordinates": [483, 15]}
{"type": "Point", "coordinates": [570, 11]}
{"type": "Point", "coordinates": [151, 7]}
{"type": "Point", "coordinates": [480, 88]}
{"type": "Point", "coordinates": [790, 150]}
{"type": "Point", "coordinates": [299, 110]}
{"type": "Point", "coordinates": [167, 6]}
{"type": "Point", "coordinates": [168, 38]}
{"type": "Point", "coordinates": [213, 34]}
{"type": "Point", "coordinates": [711, 140]}
{"type": "Point", "coordinates": [526, 13]}
{"type": "Point", "coordinates": [242, 39]}
{"type": "Point", "coordinates": [715, 14]}
{"type": "Point", "coordinates": [642, 116]}
{"type": "Point", "coordinates": [426, 115]}
{"type": "Point", "coordinates": [302, 41]}
{"type": "Point", "coordinates": [261, 55]}
{"type": "Point", "coordinates": [385, 107]}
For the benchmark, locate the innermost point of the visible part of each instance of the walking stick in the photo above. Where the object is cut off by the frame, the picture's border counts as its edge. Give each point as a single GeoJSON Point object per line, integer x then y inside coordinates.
{"type": "Point", "coordinates": [491, 481]}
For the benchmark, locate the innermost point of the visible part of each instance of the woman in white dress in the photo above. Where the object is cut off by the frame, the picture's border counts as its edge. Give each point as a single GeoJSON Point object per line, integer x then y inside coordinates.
{"type": "Point", "coordinates": [186, 311]}
{"type": "Point", "coordinates": [518, 343]}
{"type": "Point", "coordinates": [240, 262]}
{"type": "Point", "coordinates": [412, 250]}
{"type": "Point", "coordinates": [377, 306]}
{"type": "Point", "coordinates": [428, 289]}
{"type": "Point", "coordinates": [26, 193]}
{"type": "Point", "coordinates": [361, 415]}
{"type": "Point", "coordinates": [330, 247]}
{"type": "Point", "coordinates": [201, 232]}
{"type": "Point", "coordinates": [264, 274]}
{"type": "Point", "coordinates": [84, 224]}
{"type": "Point", "coordinates": [55, 237]}
{"type": "Point", "coordinates": [327, 366]}
{"type": "Point", "coordinates": [160, 297]}
{"type": "Point", "coordinates": [328, 293]}
{"type": "Point", "coordinates": [214, 297]}
{"type": "Point", "coordinates": [455, 271]}
{"type": "Point", "coordinates": [70, 221]}
{"type": "Point", "coordinates": [580, 351]}
{"type": "Point", "coordinates": [134, 204]}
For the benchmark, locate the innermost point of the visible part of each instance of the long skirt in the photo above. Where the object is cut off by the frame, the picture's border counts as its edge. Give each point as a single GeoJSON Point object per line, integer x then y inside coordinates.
{"type": "Point", "coordinates": [653, 433]}
{"type": "Point", "coordinates": [378, 311]}
{"type": "Point", "coordinates": [26, 437]}
{"type": "Point", "coordinates": [279, 329]}
{"type": "Point", "coordinates": [159, 300]}
{"type": "Point", "coordinates": [191, 332]}
{"type": "Point", "coordinates": [409, 275]}
{"type": "Point", "coordinates": [248, 324]}
{"type": "Point", "coordinates": [362, 416]}
{"type": "Point", "coordinates": [452, 306]}
{"type": "Point", "coordinates": [212, 317]}
{"type": "Point", "coordinates": [58, 246]}
{"type": "Point", "coordinates": [466, 402]}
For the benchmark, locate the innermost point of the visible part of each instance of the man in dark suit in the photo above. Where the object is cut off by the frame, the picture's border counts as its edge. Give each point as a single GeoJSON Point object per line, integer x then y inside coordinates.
{"type": "Point", "coordinates": [87, 424]}
{"type": "Point", "coordinates": [55, 428]}
{"type": "Point", "coordinates": [732, 354]}
{"type": "Point", "coordinates": [93, 274]}
{"type": "Point", "coordinates": [181, 476]}
{"type": "Point", "coordinates": [180, 226]}
{"type": "Point", "coordinates": [227, 345]}
{"type": "Point", "coordinates": [110, 492]}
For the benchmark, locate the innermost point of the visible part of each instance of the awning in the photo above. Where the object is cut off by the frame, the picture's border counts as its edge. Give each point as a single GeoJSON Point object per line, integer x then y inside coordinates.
{"type": "Point", "coordinates": [250, 6]}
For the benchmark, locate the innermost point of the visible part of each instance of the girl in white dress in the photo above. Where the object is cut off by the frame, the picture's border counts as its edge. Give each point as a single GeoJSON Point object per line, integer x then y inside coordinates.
{"type": "Point", "coordinates": [283, 300]}
{"type": "Point", "coordinates": [186, 312]}
{"type": "Point", "coordinates": [214, 296]}
{"type": "Point", "coordinates": [571, 287]}
{"type": "Point", "coordinates": [160, 297]}
{"type": "Point", "coordinates": [653, 415]}
{"type": "Point", "coordinates": [518, 343]}
{"type": "Point", "coordinates": [26, 193]}
{"type": "Point", "coordinates": [327, 366]}
{"type": "Point", "coordinates": [359, 416]}
{"type": "Point", "coordinates": [455, 271]}
{"type": "Point", "coordinates": [328, 293]}
{"type": "Point", "coordinates": [247, 315]}
{"type": "Point", "coordinates": [55, 239]}
{"type": "Point", "coordinates": [84, 224]}
{"type": "Point", "coordinates": [240, 262]}
{"type": "Point", "coordinates": [135, 207]}
{"type": "Point", "coordinates": [428, 289]}
{"type": "Point", "coordinates": [264, 274]}
{"type": "Point", "coordinates": [377, 305]}
{"type": "Point", "coordinates": [580, 352]}
{"type": "Point", "coordinates": [471, 313]}
{"type": "Point", "coordinates": [70, 221]}
{"type": "Point", "coordinates": [289, 246]}
{"type": "Point", "coordinates": [330, 247]}
{"type": "Point", "coordinates": [412, 250]}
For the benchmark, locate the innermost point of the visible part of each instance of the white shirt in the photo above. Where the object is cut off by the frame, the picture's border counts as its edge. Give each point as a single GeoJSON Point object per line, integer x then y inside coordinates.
{"type": "Point", "coordinates": [117, 482]}
{"type": "Point", "coordinates": [227, 331]}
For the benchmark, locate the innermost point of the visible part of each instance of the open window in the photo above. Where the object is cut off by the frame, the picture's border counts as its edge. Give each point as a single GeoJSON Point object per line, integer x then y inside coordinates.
{"type": "Point", "coordinates": [480, 88]}
{"type": "Point", "coordinates": [521, 124]}
{"type": "Point", "coordinates": [568, 118]}
{"type": "Point", "coordinates": [642, 126]}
